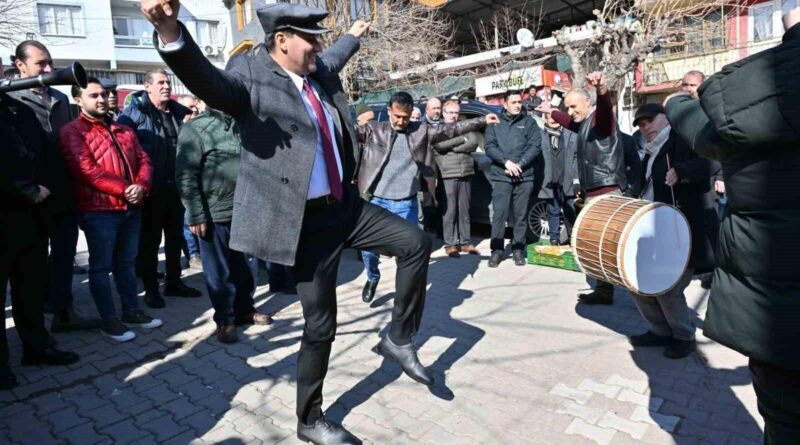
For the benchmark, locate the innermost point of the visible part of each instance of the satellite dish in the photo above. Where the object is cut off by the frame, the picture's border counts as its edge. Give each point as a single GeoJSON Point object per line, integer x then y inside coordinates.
{"type": "Point", "coordinates": [525, 37]}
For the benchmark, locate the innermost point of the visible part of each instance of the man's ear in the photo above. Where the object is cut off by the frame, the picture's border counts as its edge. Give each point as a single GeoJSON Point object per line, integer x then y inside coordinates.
{"type": "Point", "coordinates": [280, 40]}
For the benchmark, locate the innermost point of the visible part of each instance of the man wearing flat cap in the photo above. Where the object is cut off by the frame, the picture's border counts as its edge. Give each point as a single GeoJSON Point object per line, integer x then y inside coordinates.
{"type": "Point", "coordinates": [673, 174]}
{"type": "Point", "coordinates": [295, 202]}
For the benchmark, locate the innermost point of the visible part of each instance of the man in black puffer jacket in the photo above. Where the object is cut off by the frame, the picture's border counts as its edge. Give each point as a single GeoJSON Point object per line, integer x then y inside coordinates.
{"type": "Point", "coordinates": [753, 129]}
{"type": "Point", "coordinates": [513, 145]}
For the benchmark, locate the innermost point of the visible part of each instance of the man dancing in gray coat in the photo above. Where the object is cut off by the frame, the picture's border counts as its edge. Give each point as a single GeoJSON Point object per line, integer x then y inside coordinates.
{"type": "Point", "coordinates": [295, 202]}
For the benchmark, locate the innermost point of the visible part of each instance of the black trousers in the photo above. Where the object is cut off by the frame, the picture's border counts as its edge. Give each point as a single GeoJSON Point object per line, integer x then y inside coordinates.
{"type": "Point", "coordinates": [231, 276]}
{"type": "Point", "coordinates": [455, 221]}
{"type": "Point", "coordinates": [510, 198]}
{"type": "Point", "coordinates": [23, 267]}
{"type": "Point", "coordinates": [63, 233]}
{"type": "Point", "coordinates": [162, 212]}
{"type": "Point", "coordinates": [778, 394]}
{"type": "Point", "coordinates": [325, 233]}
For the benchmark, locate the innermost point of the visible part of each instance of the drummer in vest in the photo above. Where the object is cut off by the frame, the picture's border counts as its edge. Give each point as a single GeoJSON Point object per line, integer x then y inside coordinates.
{"type": "Point", "coordinates": [673, 174]}
{"type": "Point", "coordinates": [601, 158]}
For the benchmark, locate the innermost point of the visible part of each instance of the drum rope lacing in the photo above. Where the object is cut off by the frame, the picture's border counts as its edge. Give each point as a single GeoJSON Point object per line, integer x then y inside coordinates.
{"type": "Point", "coordinates": [602, 240]}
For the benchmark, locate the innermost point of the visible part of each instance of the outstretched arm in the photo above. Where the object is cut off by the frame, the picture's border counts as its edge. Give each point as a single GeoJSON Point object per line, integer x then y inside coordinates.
{"type": "Point", "coordinates": [225, 91]}
{"type": "Point", "coordinates": [690, 122]}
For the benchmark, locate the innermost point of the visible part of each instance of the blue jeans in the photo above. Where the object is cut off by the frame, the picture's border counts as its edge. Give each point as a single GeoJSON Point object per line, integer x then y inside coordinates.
{"type": "Point", "coordinates": [230, 275]}
{"type": "Point", "coordinates": [280, 277]}
{"type": "Point", "coordinates": [113, 239]}
{"type": "Point", "coordinates": [192, 248]}
{"type": "Point", "coordinates": [408, 209]}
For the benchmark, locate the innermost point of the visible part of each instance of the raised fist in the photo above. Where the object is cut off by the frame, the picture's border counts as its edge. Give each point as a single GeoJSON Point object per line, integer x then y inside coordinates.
{"type": "Point", "coordinates": [359, 28]}
{"type": "Point", "coordinates": [163, 14]}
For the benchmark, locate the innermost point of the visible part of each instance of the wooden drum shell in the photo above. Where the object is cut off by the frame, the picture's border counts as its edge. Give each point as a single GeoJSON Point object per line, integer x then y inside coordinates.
{"type": "Point", "coordinates": [600, 234]}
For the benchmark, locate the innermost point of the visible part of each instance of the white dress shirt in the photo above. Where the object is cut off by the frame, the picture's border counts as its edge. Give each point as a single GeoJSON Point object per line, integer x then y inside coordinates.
{"type": "Point", "coordinates": [319, 185]}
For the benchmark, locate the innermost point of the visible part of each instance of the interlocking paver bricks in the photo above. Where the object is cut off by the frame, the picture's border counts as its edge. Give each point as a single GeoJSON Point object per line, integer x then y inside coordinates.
{"type": "Point", "coordinates": [516, 361]}
{"type": "Point", "coordinates": [104, 416]}
{"type": "Point", "coordinates": [84, 434]}
{"type": "Point", "coordinates": [602, 436]}
{"type": "Point", "coordinates": [164, 428]}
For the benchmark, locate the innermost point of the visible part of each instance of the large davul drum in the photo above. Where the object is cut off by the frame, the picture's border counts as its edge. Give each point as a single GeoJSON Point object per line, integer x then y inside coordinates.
{"type": "Point", "coordinates": [641, 245]}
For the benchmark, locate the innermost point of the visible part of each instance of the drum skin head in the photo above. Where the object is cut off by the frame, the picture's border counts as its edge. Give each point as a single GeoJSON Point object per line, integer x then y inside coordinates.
{"type": "Point", "coordinates": [655, 250]}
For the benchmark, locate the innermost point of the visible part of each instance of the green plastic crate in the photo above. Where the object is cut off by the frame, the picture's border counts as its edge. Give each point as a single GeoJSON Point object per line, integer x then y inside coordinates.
{"type": "Point", "coordinates": [565, 261]}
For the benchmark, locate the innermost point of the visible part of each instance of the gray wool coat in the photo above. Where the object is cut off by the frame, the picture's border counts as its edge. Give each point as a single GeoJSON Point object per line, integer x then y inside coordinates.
{"type": "Point", "coordinates": [278, 138]}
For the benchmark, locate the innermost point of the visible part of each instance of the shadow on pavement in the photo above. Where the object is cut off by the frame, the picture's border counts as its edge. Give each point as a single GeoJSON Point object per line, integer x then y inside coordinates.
{"type": "Point", "coordinates": [437, 322]}
{"type": "Point", "coordinates": [700, 395]}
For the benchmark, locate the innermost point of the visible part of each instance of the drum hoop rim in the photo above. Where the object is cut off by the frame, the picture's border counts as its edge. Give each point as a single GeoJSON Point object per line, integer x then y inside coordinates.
{"type": "Point", "coordinates": [574, 235]}
{"type": "Point", "coordinates": [636, 217]}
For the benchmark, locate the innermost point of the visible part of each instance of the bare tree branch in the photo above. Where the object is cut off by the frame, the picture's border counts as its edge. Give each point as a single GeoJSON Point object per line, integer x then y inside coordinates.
{"type": "Point", "coordinates": [500, 31]}
{"type": "Point", "coordinates": [16, 21]}
{"type": "Point", "coordinates": [625, 32]}
{"type": "Point", "coordinates": [403, 35]}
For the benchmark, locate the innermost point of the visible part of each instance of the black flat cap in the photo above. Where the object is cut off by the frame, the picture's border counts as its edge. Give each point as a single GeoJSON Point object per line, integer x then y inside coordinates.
{"type": "Point", "coordinates": [301, 18]}
{"type": "Point", "coordinates": [108, 84]}
{"type": "Point", "coordinates": [648, 111]}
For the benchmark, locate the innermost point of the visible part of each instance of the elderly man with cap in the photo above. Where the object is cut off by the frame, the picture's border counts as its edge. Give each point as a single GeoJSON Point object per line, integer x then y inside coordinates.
{"type": "Point", "coordinates": [672, 173]}
{"type": "Point", "coordinates": [295, 202]}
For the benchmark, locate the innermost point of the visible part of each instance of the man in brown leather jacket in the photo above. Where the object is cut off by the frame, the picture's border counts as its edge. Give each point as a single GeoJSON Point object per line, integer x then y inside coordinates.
{"type": "Point", "coordinates": [397, 161]}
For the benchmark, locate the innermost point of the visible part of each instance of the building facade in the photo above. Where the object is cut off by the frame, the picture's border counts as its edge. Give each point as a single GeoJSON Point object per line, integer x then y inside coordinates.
{"type": "Point", "coordinates": [722, 37]}
{"type": "Point", "coordinates": [111, 38]}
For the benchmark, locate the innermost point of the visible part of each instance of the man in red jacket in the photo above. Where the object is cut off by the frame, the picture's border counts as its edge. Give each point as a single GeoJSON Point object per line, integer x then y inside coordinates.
{"type": "Point", "coordinates": [112, 175]}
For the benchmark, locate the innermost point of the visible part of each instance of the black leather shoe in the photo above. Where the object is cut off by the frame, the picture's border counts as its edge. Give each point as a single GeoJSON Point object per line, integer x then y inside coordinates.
{"type": "Point", "coordinates": [369, 291]}
{"type": "Point", "coordinates": [407, 357]}
{"type": "Point", "coordinates": [519, 257]}
{"type": "Point", "coordinates": [680, 348]}
{"type": "Point", "coordinates": [495, 259]}
{"type": "Point", "coordinates": [649, 339]}
{"type": "Point", "coordinates": [154, 300]}
{"type": "Point", "coordinates": [595, 297]}
{"type": "Point", "coordinates": [178, 289]}
{"type": "Point", "coordinates": [7, 378]}
{"type": "Point", "coordinates": [49, 356]}
{"type": "Point", "coordinates": [323, 432]}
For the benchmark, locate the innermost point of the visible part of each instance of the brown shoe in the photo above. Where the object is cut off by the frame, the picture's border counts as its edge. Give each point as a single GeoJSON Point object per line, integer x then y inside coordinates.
{"type": "Point", "coordinates": [452, 251]}
{"type": "Point", "coordinates": [470, 249]}
{"type": "Point", "coordinates": [256, 318]}
{"type": "Point", "coordinates": [226, 333]}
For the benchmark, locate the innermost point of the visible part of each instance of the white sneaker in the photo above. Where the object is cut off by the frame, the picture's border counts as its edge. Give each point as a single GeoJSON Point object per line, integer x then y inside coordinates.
{"type": "Point", "coordinates": [117, 331]}
{"type": "Point", "coordinates": [138, 318]}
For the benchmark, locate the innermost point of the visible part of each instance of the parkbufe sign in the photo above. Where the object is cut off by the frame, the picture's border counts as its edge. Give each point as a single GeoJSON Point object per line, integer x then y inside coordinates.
{"type": "Point", "coordinates": [520, 79]}
{"type": "Point", "coordinates": [509, 80]}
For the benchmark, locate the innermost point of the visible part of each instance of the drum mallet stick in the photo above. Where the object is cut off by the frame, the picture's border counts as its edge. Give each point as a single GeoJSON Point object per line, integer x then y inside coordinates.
{"type": "Point", "coordinates": [674, 203]}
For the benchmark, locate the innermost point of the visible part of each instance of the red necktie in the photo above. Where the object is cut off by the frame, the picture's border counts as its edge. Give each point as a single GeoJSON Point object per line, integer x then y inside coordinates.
{"type": "Point", "coordinates": [334, 181]}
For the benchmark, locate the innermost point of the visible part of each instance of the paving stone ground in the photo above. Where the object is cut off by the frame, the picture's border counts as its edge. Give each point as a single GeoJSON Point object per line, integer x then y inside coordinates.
{"type": "Point", "coordinates": [517, 361]}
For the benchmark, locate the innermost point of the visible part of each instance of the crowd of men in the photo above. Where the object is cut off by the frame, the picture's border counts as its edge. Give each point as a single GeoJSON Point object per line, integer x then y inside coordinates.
{"type": "Point", "coordinates": [124, 177]}
{"type": "Point", "coordinates": [171, 167]}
